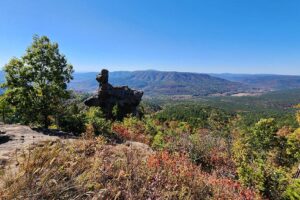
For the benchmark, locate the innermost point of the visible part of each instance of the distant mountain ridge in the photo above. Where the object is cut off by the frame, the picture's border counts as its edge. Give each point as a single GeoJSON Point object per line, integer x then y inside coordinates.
{"type": "Point", "coordinates": [155, 83]}
{"type": "Point", "coordinates": [161, 83]}
{"type": "Point", "coordinates": [264, 81]}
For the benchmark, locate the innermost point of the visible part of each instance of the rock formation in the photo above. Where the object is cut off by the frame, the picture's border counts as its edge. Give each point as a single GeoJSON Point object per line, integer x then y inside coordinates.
{"type": "Point", "coordinates": [123, 98]}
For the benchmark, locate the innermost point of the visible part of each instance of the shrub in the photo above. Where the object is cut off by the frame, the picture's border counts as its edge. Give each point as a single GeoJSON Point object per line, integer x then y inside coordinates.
{"type": "Point", "coordinates": [293, 190]}
{"type": "Point", "coordinates": [158, 141]}
{"type": "Point", "coordinates": [202, 144]}
{"type": "Point", "coordinates": [293, 146]}
{"type": "Point", "coordinates": [95, 118]}
{"type": "Point", "coordinates": [71, 119]}
{"type": "Point", "coordinates": [261, 157]}
{"type": "Point", "coordinates": [132, 129]}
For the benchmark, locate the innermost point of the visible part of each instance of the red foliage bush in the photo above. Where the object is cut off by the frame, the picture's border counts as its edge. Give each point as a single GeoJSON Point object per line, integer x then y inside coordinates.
{"type": "Point", "coordinates": [179, 166]}
{"type": "Point", "coordinates": [130, 134]}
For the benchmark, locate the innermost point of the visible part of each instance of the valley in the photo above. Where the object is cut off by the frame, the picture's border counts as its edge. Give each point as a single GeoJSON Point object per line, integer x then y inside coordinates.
{"type": "Point", "coordinates": [156, 83]}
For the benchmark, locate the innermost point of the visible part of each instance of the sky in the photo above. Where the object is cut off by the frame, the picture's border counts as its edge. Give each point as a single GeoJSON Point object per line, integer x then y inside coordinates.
{"type": "Point", "coordinates": [205, 36]}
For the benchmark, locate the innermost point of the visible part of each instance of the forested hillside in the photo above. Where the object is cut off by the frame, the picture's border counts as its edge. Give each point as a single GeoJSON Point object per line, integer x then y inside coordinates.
{"type": "Point", "coordinates": [264, 81]}
{"type": "Point", "coordinates": [182, 83]}
{"type": "Point", "coordinates": [161, 83]}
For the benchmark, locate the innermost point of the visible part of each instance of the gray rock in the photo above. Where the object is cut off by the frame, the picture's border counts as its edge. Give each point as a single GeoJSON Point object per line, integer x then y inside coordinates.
{"type": "Point", "coordinates": [108, 96]}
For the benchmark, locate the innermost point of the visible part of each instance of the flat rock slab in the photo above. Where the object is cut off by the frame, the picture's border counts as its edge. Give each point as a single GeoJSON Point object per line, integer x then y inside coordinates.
{"type": "Point", "coordinates": [16, 137]}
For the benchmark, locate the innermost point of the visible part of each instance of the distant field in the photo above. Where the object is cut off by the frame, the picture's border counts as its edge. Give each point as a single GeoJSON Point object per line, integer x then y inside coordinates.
{"type": "Point", "coordinates": [278, 104]}
{"type": "Point", "coordinates": [277, 101]}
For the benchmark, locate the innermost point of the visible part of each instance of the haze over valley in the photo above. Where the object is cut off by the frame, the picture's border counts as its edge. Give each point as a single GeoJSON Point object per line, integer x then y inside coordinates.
{"type": "Point", "coordinates": [185, 83]}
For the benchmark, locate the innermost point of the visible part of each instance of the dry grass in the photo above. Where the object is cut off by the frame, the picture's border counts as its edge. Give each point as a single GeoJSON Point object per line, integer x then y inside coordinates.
{"type": "Point", "coordinates": [91, 169]}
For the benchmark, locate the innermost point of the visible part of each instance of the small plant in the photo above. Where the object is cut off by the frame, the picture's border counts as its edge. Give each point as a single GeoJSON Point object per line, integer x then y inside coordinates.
{"type": "Point", "coordinates": [293, 190]}
{"type": "Point", "coordinates": [96, 119]}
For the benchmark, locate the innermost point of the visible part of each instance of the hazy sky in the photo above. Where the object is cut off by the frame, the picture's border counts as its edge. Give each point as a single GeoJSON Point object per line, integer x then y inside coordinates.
{"type": "Point", "coordinates": [238, 36]}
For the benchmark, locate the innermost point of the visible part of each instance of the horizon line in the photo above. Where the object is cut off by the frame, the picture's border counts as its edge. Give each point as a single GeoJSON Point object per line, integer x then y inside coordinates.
{"type": "Point", "coordinates": [209, 73]}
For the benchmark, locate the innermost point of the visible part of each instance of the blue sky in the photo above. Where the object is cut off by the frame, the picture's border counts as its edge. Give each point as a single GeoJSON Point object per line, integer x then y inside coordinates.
{"type": "Point", "coordinates": [236, 36]}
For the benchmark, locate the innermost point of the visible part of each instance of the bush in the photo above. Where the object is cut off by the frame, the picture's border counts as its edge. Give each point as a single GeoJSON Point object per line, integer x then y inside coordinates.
{"type": "Point", "coordinates": [293, 146]}
{"type": "Point", "coordinates": [202, 144]}
{"type": "Point", "coordinates": [132, 129]}
{"type": "Point", "coordinates": [293, 190]}
{"type": "Point", "coordinates": [72, 119]}
{"type": "Point", "coordinates": [158, 141]}
{"type": "Point", "coordinates": [98, 123]}
{"type": "Point", "coordinates": [257, 157]}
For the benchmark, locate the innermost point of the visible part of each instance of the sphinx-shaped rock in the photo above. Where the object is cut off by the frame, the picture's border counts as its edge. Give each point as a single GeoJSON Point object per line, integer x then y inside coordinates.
{"type": "Point", "coordinates": [108, 97]}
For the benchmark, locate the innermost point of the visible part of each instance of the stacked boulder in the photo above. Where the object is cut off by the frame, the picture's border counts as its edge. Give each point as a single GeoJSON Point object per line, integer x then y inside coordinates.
{"type": "Point", "coordinates": [108, 97]}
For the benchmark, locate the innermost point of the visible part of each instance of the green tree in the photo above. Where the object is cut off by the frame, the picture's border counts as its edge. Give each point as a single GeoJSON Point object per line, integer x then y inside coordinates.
{"type": "Point", "coordinates": [37, 82]}
{"type": "Point", "coordinates": [6, 110]}
{"type": "Point", "coordinates": [263, 135]}
{"type": "Point", "coordinates": [256, 153]}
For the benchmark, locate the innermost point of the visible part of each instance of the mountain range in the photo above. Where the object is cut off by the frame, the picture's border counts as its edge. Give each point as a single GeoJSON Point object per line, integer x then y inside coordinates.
{"type": "Point", "coordinates": [264, 81]}
{"type": "Point", "coordinates": [155, 83]}
{"type": "Point", "coordinates": [162, 83]}
{"type": "Point", "coordinates": [185, 83]}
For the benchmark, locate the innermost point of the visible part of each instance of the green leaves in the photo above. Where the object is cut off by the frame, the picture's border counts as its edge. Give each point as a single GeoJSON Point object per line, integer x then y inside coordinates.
{"type": "Point", "coordinates": [293, 145]}
{"type": "Point", "coordinates": [262, 136]}
{"type": "Point", "coordinates": [37, 82]}
{"type": "Point", "coordinates": [293, 190]}
{"type": "Point", "coordinates": [266, 156]}
{"type": "Point", "coordinates": [95, 118]}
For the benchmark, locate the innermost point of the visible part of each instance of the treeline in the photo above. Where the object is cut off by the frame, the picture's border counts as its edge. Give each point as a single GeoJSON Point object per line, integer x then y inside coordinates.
{"type": "Point", "coordinates": [197, 115]}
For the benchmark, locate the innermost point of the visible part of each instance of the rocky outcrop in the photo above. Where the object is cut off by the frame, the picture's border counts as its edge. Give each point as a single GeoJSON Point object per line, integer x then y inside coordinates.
{"type": "Point", "coordinates": [124, 99]}
{"type": "Point", "coordinates": [16, 138]}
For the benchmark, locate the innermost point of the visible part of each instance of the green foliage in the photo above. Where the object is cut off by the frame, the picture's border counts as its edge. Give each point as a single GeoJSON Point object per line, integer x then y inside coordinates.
{"type": "Point", "coordinates": [158, 142]}
{"type": "Point", "coordinates": [276, 182]}
{"type": "Point", "coordinates": [262, 136]}
{"type": "Point", "coordinates": [132, 121]}
{"type": "Point", "coordinates": [95, 117]}
{"type": "Point", "coordinates": [151, 127]}
{"type": "Point", "coordinates": [37, 82]}
{"type": "Point", "coordinates": [196, 115]}
{"type": "Point", "coordinates": [6, 111]}
{"type": "Point", "coordinates": [201, 146]}
{"type": "Point", "coordinates": [293, 190]}
{"type": "Point", "coordinates": [117, 114]}
{"type": "Point", "coordinates": [149, 107]}
{"type": "Point", "coordinates": [298, 114]}
{"type": "Point", "coordinates": [264, 157]}
{"type": "Point", "coordinates": [293, 146]}
{"type": "Point", "coordinates": [72, 119]}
